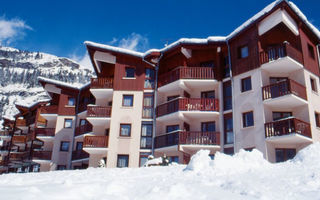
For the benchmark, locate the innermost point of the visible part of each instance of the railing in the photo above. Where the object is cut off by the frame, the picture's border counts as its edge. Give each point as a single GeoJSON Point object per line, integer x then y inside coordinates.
{"type": "Point", "coordinates": [79, 154]}
{"type": "Point", "coordinates": [280, 51]}
{"type": "Point", "coordinates": [21, 122]}
{"type": "Point", "coordinates": [186, 73]}
{"type": "Point", "coordinates": [41, 155]}
{"type": "Point", "coordinates": [187, 137]}
{"type": "Point", "coordinates": [3, 162]}
{"type": "Point", "coordinates": [15, 156]}
{"type": "Point", "coordinates": [52, 109]}
{"type": "Point", "coordinates": [5, 133]}
{"type": "Point", "coordinates": [83, 129]}
{"type": "Point", "coordinates": [287, 127]}
{"type": "Point", "coordinates": [97, 83]}
{"type": "Point", "coordinates": [95, 141]}
{"type": "Point", "coordinates": [45, 132]}
{"type": "Point", "coordinates": [99, 111]}
{"type": "Point", "coordinates": [5, 147]}
{"type": "Point", "coordinates": [283, 88]}
{"type": "Point", "coordinates": [19, 139]}
{"type": "Point", "coordinates": [188, 104]}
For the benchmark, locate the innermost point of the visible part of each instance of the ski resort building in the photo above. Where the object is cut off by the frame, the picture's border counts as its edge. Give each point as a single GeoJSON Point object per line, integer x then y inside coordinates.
{"type": "Point", "coordinates": [255, 88]}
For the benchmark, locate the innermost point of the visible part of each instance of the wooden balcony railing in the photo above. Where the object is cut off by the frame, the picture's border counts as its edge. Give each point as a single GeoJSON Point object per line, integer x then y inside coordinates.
{"type": "Point", "coordinates": [287, 127]}
{"type": "Point", "coordinates": [18, 156]}
{"type": "Point", "coordinates": [95, 141]}
{"type": "Point", "coordinates": [19, 139]}
{"type": "Point", "coordinates": [99, 111]}
{"type": "Point", "coordinates": [186, 73]}
{"type": "Point", "coordinates": [283, 88]}
{"type": "Point", "coordinates": [21, 122]}
{"type": "Point", "coordinates": [79, 154]}
{"type": "Point", "coordinates": [188, 104]}
{"type": "Point", "coordinates": [52, 109]}
{"type": "Point", "coordinates": [98, 83]}
{"type": "Point", "coordinates": [187, 137]}
{"type": "Point", "coordinates": [41, 155]}
{"type": "Point", "coordinates": [280, 51]}
{"type": "Point", "coordinates": [50, 132]}
{"type": "Point", "coordinates": [83, 129]}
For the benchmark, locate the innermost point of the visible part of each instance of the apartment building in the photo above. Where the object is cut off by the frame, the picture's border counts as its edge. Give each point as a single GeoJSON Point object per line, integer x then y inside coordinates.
{"type": "Point", "coordinates": [257, 88]}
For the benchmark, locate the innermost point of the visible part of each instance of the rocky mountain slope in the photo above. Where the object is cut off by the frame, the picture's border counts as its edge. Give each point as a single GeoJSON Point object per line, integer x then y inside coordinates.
{"type": "Point", "coordinates": [19, 71]}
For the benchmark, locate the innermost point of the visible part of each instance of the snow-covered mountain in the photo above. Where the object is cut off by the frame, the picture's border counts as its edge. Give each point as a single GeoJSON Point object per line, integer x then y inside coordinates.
{"type": "Point", "coordinates": [19, 71]}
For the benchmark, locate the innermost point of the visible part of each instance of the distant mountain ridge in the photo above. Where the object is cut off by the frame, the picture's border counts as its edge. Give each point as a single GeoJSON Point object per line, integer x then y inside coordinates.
{"type": "Point", "coordinates": [20, 69]}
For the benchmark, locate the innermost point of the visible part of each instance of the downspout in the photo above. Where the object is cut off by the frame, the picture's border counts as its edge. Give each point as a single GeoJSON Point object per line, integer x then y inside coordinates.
{"type": "Point", "coordinates": [75, 128]}
{"type": "Point", "coordinates": [155, 95]}
{"type": "Point", "coordinates": [318, 53]}
{"type": "Point", "coordinates": [232, 92]}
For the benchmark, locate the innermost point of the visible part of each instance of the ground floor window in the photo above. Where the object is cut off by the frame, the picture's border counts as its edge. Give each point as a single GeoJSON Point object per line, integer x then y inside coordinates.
{"type": "Point", "coordinates": [144, 158]}
{"type": "Point", "coordinates": [284, 154]}
{"type": "Point", "coordinates": [173, 159]}
{"type": "Point", "coordinates": [61, 167]}
{"type": "Point", "coordinates": [123, 161]}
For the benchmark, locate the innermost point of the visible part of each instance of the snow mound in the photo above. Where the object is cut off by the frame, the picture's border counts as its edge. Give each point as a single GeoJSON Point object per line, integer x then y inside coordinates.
{"type": "Point", "coordinates": [309, 155]}
{"type": "Point", "coordinates": [200, 161]}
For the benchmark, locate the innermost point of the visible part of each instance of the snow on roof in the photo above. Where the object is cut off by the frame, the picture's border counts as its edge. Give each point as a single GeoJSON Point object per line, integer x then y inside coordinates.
{"type": "Point", "coordinates": [77, 86]}
{"type": "Point", "coordinates": [114, 49]}
{"type": "Point", "coordinates": [28, 104]}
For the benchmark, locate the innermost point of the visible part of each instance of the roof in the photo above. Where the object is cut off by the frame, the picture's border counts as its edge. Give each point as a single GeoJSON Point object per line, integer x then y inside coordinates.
{"type": "Point", "coordinates": [28, 105]}
{"type": "Point", "coordinates": [201, 41]}
{"type": "Point", "coordinates": [76, 86]}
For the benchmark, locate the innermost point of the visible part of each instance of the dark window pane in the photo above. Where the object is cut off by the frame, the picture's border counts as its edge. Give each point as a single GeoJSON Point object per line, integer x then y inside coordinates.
{"type": "Point", "coordinates": [130, 72]}
{"type": "Point", "coordinates": [127, 100]}
{"type": "Point", "coordinates": [123, 161]}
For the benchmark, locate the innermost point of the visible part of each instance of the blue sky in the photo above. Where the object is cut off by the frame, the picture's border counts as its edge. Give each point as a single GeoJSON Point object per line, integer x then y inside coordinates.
{"type": "Point", "coordinates": [60, 27]}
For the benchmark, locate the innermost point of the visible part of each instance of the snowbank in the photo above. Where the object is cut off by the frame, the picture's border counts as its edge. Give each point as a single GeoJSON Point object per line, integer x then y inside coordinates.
{"type": "Point", "coordinates": [245, 175]}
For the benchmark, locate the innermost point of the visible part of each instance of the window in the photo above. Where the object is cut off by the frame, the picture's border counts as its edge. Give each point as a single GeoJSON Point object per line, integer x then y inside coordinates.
{"type": "Point", "coordinates": [130, 71]}
{"type": "Point", "coordinates": [143, 158]}
{"type": "Point", "coordinates": [71, 101]}
{"type": "Point", "coordinates": [61, 167]}
{"type": "Point", "coordinates": [249, 149]}
{"type": "Point", "coordinates": [208, 126]}
{"type": "Point", "coordinates": [125, 130]}
{"type": "Point", "coordinates": [208, 94]}
{"type": "Point", "coordinates": [146, 135]}
{"type": "Point", "coordinates": [228, 129]}
{"type": "Point", "coordinates": [246, 84]}
{"type": "Point", "coordinates": [123, 161]}
{"type": "Point", "coordinates": [172, 128]}
{"type": "Point", "coordinates": [64, 146]}
{"type": "Point", "coordinates": [67, 123]}
{"type": "Point", "coordinates": [173, 159]}
{"type": "Point", "coordinates": [207, 64]}
{"type": "Point", "coordinates": [243, 52]}
{"type": "Point", "coordinates": [147, 106]}
{"type": "Point", "coordinates": [79, 146]}
{"type": "Point", "coordinates": [227, 96]}
{"type": "Point", "coordinates": [149, 79]}
{"type": "Point", "coordinates": [127, 100]}
{"type": "Point", "coordinates": [313, 84]}
{"type": "Point", "coordinates": [169, 98]}
{"type": "Point", "coordinates": [280, 115]}
{"type": "Point", "coordinates": [317, 117]}
{"type": "Point", "coordinates": [229, 151]}
{"type": "Point", "coordinates": [284, 154]}
{"type": "Point", "coordinates": [311, 51]}
{"type": "Point", "coordinates": [247, 119]}
{"type": "Point", "coordinates": [83, 122]}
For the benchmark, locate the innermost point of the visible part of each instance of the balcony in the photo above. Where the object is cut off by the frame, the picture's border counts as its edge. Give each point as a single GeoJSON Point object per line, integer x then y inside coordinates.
{"type": "Point", "coordinates": [288, 131]}
{"type": "Point", "coordinates": [19, 139]}
{"type": "Point", "coordinates": [83, 129]}
{"type": "Point", "coordinates": [284, 94]}
{"type": "Point", "coordinates": [45, 132]}
{"type": "Point", "coordinates": [187, 78]}
{"type": "Point", "coordinates": [188, 141]}
{"type": "Point", "coordinates": [95, 144]}
{"type": "Point", "coordinates": [49, 112]}
{"type": "Point", "coordinates": [102, 88]}
{"type": "Point", "coordinates": [197, 108]}
{"type": "Point", "coordinates": [79, 155]}
{"type": "Point", "coordinates": [41, 155]}
{"type": "Point", "coordinates": [282, 58]}
{"type": "Point", "coordinates": [18, 156]}
{"type": "Point", "coordinates": [99, 115]}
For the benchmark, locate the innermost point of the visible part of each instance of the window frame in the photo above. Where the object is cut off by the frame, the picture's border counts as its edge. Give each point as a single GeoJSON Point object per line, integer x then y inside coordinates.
{"type": "Point", "coordinates": [172, 126]}
{"type": "Point", "coordinates": [244, 122]}
{"type": "Point", "coordinates": [144, 107]}
{"type": "Point", "coordinates": [206, 124]}
{"type": "Point", "coordinates": [317, 119]}
{"type": "Point", "coordinates": [243, 81]}
{"type": "Point", "coordinates": [65, 120]}
{"type": "Point", "coordinates": [150, 79]}
{"type": "Point", "coordinates": [240, 55]}
{"type": "Point", "coordinates": [61, 167]}
{"type": "Point", "coordinates": [146, 136]}
{"type": "Point", "coordinates": [130, 68]}
{"type": "Point", "coordinates": [127, 161]}
{"type": "Point", "coordinates": [61, 146]}
{"type": "Point", "coordinates": [311, 52]}
{"type": "Point", "coordinates": [313, 83]}
{"type": "Point", "coordinates": [74, 101]}
{"type": "Point", "coordinates": [120, 132]}
{"type": "Point", "coordinates": [123, 100]}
